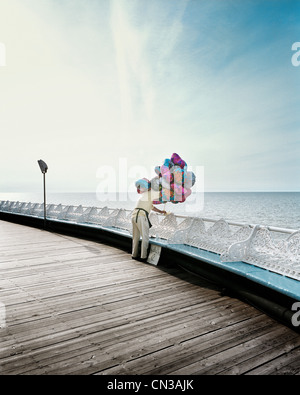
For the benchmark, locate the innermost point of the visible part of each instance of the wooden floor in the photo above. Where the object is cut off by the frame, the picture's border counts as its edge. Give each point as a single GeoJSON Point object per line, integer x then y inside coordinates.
{"type": "Point", "coordinates": [71, 306]}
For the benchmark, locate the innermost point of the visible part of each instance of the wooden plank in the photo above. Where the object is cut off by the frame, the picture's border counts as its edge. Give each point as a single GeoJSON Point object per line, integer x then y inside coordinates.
{"type": "Point", "coordinates": [79, 307]}
{"type": "Point", "coordinates": [231, 356]}
{"type": "Point", "coordinates": [184, 352]}
{"type": "Point", "coordinates": [285, 361]}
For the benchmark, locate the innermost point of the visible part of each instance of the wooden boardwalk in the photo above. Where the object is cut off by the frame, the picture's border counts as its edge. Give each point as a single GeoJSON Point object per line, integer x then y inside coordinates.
{"type": "Point", "coordinates": [72, 306]}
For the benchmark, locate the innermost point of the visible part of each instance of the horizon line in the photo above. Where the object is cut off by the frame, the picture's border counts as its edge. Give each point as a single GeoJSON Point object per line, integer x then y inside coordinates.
{"type": "Point", "coordinates": [105, 192]}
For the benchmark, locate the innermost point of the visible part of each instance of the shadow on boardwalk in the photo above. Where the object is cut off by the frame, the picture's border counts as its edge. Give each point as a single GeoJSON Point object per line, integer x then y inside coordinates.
{"type": "Point", "coordinates": [74, 306]}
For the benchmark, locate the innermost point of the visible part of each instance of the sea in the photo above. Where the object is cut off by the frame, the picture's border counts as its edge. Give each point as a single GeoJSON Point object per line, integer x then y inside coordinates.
{"type": "Point", "coordinates": [276, 209]}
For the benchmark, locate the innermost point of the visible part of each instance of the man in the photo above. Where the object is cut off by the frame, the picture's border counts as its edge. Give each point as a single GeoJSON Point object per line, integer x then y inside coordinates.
{"type": "Point", "coordinates": [141, 223]}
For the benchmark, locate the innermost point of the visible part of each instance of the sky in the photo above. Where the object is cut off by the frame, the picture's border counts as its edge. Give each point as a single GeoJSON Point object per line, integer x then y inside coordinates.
{"type": "Point", "coordinates": [104, 90]}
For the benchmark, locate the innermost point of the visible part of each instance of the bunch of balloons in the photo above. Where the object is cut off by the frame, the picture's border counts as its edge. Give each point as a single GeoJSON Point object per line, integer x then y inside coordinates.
{"type": "Point", "coordinates": [173, 181]}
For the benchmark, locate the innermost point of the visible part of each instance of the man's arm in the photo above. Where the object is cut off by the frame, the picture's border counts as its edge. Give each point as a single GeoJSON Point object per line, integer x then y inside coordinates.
{"type": "Point", "coordinates": [159, 211]}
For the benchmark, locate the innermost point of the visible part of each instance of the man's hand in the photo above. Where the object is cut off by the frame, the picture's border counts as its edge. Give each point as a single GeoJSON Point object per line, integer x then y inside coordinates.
{"type": "Point", "coordinates": [159, 211]}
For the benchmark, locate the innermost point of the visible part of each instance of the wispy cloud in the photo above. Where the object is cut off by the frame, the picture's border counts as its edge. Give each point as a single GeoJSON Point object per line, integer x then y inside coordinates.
{"type": "Point", "coordinates": [134, 73]}
{"type": "Point", "coordinates": [144, 57]}
{"type": "Point", "coordinates": [138, 78]}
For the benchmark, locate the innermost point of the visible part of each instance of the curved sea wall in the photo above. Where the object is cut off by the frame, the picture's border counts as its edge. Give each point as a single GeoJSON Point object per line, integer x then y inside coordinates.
{"type": "Point", "coordinates": [273, 249]}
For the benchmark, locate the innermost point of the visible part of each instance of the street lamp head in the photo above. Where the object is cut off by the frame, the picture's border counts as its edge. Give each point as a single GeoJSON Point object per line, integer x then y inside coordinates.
{"type": "Point", "coordinates": [43, 166]}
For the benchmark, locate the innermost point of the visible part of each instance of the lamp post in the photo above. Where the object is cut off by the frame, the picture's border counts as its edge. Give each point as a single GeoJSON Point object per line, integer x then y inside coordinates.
{"type": "Point", "coordinates": [44, 168]}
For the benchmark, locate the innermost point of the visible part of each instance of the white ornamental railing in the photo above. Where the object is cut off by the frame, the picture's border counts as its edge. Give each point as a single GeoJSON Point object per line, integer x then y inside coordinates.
{"type": "Point", "coordinates": [271, 248]}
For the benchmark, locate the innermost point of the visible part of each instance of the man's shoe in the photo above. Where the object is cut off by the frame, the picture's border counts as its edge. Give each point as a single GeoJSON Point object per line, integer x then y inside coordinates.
{"type": "Point", "coordinates": [143, 260]}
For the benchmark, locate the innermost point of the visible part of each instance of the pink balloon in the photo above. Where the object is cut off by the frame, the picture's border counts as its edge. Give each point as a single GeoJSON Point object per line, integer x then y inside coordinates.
{"type": "Point", "coordinates": [176, 159]}
{"type": "Point", "coordinates": [187, 193]}
{"type": "Point", "coordinates": [166, 174]}
{"type": "Point", "coordinates": [179, 175]}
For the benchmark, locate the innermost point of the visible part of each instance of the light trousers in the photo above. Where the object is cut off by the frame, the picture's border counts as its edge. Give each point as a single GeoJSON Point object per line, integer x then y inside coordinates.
{"type": "Point", "coordinates": [140, 228]}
